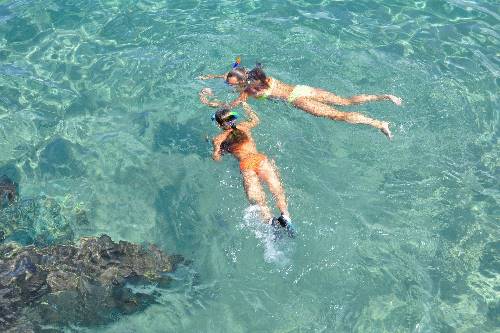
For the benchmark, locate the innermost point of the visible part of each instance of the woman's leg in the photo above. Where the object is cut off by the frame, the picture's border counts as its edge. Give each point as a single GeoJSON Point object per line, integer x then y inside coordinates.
{"type": "Point", "coordinates": [269, 173]}
{"type": "Point", "coordinates": [327, 97]}
{"type": "Point", "coordinates": [322, 110]}
{"type": "Point", "coordinates": [255, 193]}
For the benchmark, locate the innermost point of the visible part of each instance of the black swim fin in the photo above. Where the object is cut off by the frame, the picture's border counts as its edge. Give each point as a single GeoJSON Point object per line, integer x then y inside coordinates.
{"type": "Point", "coordinates": [284, 222]}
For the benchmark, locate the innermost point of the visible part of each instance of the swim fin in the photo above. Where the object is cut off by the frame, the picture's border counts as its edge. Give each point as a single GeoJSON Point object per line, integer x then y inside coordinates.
{"type": "Point", "coordinates": [283, 221]}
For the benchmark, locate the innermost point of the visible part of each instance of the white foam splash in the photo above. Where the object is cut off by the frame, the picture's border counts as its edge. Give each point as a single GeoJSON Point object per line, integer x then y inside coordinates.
{"type": "Point", "coordinates": [264, 233]}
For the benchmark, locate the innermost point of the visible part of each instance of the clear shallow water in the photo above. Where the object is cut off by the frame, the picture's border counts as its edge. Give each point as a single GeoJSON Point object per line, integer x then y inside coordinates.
{"type": "Point", "coordinates": [99, 110]}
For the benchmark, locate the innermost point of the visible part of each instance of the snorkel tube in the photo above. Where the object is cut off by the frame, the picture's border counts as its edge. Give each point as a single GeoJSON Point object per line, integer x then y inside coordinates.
{"type": "Point", "coordinates": [237, 63]}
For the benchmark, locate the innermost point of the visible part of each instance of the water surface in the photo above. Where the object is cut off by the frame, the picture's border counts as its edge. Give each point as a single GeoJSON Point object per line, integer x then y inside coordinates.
{"type": "Point", "coordinates": [99, 110]}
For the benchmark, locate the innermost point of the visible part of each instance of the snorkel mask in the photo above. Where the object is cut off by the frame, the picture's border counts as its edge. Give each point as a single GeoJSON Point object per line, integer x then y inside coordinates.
{"type": "Point", "coordinates": [237, 71]}
{"type": "Point", "coordinates": [229, 118]}
{"type": "Point", "coordinates": [240, 73]}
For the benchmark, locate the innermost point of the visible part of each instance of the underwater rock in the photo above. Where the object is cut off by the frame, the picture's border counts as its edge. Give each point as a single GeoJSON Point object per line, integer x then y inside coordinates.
{"type": "Point", "coordinates": [35, 221]}
{"type": "Point", "coordinates": [86, 284]}
{"type": "Point", "coordinates": [8, 191]}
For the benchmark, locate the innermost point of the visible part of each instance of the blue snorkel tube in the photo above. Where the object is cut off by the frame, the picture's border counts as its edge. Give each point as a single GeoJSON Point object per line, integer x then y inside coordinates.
{"type": "Point", "coordinates": [237, 62]}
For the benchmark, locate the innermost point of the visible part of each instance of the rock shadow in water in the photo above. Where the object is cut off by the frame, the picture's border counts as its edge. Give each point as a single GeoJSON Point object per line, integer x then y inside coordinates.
{"type": "Point", "coordinates": [181, 138]}
{"type": "Point", "coordinates": [57, 158]}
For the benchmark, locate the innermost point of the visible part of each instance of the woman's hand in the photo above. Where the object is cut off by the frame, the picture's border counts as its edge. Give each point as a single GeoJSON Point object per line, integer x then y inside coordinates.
{"type": "Point", "coordinates": [206, 92]}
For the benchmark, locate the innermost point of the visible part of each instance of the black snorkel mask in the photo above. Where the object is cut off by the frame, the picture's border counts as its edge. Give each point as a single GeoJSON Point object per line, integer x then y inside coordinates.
{"type": "Point", "coordinates": [229, 119]}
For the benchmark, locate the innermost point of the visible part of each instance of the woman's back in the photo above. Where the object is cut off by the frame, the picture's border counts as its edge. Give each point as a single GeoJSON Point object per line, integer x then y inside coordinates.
{"type": "Point", "coordinates": [239, 143]}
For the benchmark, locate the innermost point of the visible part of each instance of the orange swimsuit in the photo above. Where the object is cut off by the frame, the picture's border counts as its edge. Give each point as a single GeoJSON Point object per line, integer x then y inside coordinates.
{"type": "Point", "coordinates": [234, 143]}
{"type": "Point", "coordinates": [252, 162]}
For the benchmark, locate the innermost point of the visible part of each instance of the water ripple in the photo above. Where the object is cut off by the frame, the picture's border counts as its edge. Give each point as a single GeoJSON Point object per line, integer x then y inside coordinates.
{"type": "Point", "coordinates": [99, 103]}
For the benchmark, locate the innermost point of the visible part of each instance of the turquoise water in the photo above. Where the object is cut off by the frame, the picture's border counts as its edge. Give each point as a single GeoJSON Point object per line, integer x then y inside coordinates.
{"type": "Point", "coordinates": [99, 110]}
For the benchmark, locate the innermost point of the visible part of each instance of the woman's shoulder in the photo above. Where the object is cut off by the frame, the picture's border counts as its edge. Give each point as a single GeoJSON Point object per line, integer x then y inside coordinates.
{"type": "Point", "coordinates": [278, 83]}
{"type": "Point", "coordinates": [243, 129]}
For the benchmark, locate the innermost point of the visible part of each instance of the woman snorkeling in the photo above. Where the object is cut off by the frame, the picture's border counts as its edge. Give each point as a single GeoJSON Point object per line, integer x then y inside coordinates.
{"type": "Point", "coordinates": [255, 167]}
{"type": "Point", "coordinates": [315, 101]}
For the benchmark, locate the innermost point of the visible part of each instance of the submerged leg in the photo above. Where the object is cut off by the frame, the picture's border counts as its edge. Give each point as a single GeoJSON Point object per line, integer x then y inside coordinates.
{"type": "Point", "coordinates": [327, 97]}
{"type": "Point", "coordinates": [255, 193]}
{"type": "Point", "coordinates": [270, 175]}
{"type": "Point", "coordinates": [319, 109]}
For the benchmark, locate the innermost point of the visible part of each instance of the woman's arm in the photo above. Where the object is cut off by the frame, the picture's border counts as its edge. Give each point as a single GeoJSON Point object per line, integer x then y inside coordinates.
{"type": "Point", "coordinates": [216, 142]}
{"type": "Point", "coordinates": [212, 76]}
{"type": "Point", "coordinates": [242, 98]}
{"type": "Point", "coordinates": [204, 93]}
{"type": "Point", "coordinates": [253, 119]}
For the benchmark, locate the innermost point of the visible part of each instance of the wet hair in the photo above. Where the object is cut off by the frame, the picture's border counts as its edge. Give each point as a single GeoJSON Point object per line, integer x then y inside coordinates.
{"type": "Point", "coordinates": [239, 72]}
{"type": "Point", "coordinates": [224, 115]}
{"type": "Point", "coordinates": [257, 79]}
{"type": "Point", "coordinates": [257, 74]}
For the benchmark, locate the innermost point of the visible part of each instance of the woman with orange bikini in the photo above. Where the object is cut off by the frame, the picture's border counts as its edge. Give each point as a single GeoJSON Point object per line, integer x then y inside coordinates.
{"type": "Point", "coordinates": [315, 101]}
{"type": "Point", "coordinates": [255, 167]}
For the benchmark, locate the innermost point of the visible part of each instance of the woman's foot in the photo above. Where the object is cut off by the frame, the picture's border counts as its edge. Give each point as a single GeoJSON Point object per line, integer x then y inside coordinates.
{"type": "Point", "coordinates": [394, 99]}
{"type": "Point", "coordinates": [385, 129]}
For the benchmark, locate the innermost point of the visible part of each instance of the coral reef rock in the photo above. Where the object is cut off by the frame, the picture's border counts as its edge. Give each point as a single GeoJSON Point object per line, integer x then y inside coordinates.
{"type": "Point", "coordinates": [8, 191]}
{"type": "Point", "coordinates": [87, 284]}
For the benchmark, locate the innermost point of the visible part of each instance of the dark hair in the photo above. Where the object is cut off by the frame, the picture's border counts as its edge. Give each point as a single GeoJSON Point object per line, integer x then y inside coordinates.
{"type": "Point", "coordinates": [257, 74]}
{"type": "Point", "coordinates": [223, 116]}
{"type": "Point", "coordinates": [257, 79]}
{"type": "Point", "coordinates": [239, 72]}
